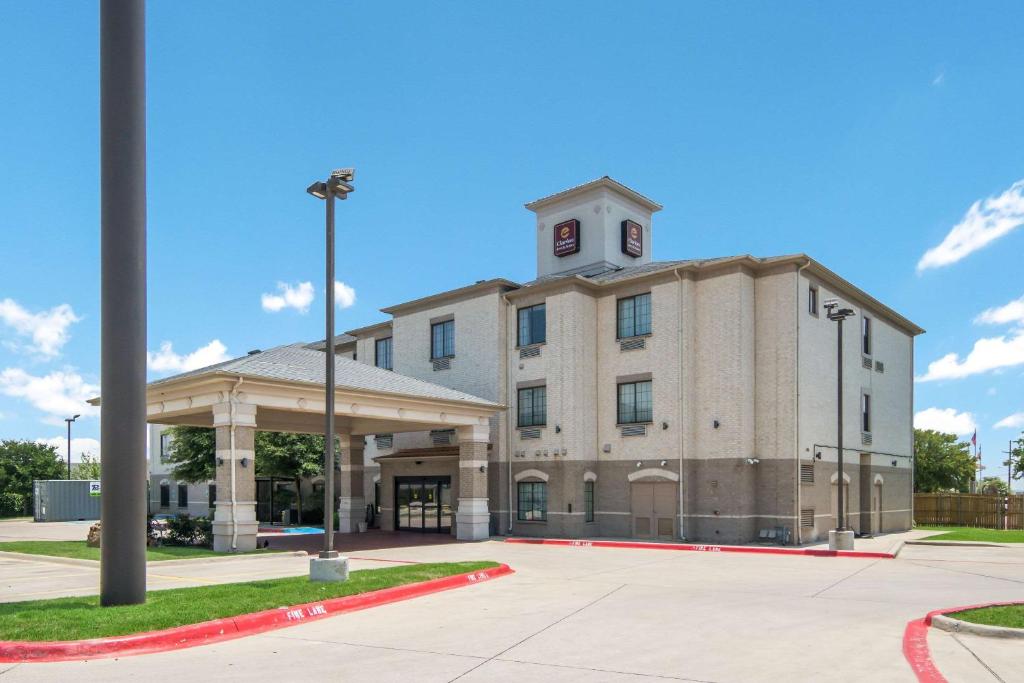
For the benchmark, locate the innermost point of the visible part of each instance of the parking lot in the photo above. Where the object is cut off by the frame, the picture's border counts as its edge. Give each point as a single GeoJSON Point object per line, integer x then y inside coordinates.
{"type": "Point", "coordinates": [596, 614]}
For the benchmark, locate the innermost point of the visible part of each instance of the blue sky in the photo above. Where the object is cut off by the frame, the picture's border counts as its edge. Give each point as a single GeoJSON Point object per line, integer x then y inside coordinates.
{"type": "Point", "coordinates": [860, 135]}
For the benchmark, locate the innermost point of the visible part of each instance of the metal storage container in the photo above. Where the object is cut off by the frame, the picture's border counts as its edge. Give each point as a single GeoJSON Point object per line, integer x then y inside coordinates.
{"type": "Point", "coordinates": [60, 500]}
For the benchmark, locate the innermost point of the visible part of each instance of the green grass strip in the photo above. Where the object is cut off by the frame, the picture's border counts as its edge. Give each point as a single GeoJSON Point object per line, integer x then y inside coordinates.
{"type": "Point", "coordinates": [79, 550]}
{"type": "Point", "coordinates": [1011, 616]}
{"type": "Point", "coordinates": [963, 533]}
{"type": "Point", "coordinates": [82, 617]}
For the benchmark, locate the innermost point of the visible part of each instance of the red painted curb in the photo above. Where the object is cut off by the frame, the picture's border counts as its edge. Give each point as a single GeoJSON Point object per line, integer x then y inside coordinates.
{"type": "Point", "coordinates": [232, 627]}
{"type": "Point", "coordinates": [812, 552]}
{"type": "Point", "coordinates": [915, 642]}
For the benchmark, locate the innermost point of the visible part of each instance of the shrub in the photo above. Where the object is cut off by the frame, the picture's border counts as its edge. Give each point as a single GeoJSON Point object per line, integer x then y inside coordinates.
{"type": "Point", "coordinates": [204, 532]}
{"type": "Point", "coordinates": [12, 504]}
{"type": "Point", "coordinates": [181, 530]}
{"type": "Point", "coordinates": [313, 515]}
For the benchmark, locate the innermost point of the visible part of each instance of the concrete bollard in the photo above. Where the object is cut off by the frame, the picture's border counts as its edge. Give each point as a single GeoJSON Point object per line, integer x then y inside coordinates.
{"type": "Point", "coordinates": [329, 569]}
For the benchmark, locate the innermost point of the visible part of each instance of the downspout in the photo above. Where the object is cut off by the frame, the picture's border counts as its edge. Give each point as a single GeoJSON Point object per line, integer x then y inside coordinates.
{"type": "Point", "coordinates": [682, 392]}
{"type": "Point", "coordinates": [796, 411]}
{"type": "Point", "coordinates": [233, 398]}
{"type": "Point", "coordinates": [508, 403]}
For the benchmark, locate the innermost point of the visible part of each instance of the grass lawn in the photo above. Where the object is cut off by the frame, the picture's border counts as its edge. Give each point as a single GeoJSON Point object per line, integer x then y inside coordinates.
{"type": "Point", "coordinates": [82, 617]}
{"type": "Point", "coordinates": [962, 533]}
{"type": "Point", "coordinates": [79, 550]}
{"type": "Point", "coordinates": [1010, 615]}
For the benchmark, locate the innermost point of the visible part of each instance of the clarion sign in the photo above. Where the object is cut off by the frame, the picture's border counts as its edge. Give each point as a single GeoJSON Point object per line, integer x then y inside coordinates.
{"type": "Point", "coordinates": [632, 238]}
{"type": "Point", "coordinates": [567, 237]}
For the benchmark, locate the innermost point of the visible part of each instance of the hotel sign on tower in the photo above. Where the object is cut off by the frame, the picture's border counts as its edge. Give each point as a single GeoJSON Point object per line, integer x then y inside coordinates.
{"type": "Point", "coordinates": [567, 237]}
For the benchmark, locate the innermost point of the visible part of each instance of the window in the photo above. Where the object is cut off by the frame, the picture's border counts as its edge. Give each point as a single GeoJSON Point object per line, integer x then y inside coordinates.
{"type": "Point", "coordinates": [865, 412]}
{"type": "Point", "coordinates": [442, 339]}
{"type": "Point", "coordinates": [165, 446]}
{"type": "Point", "coordinates": [812, 300]}
{"type": "Point", "coordinates": [211, 493]}
{"type": "Point", "coordinates": [382, 354]}
{"type": "Point", "coordinates": [634, 316]}
{"type": "Point", "coordinates": [532, 325]}
{"type": "Point", "coordinates": [182, 495]}
{"type": "Point", "coordinates": [165, 495]}
{"type": "Point", "coordinates": [533, 501]}
{"type": "Point", "coordinates": [865, 327]}
{"type": "Point", "coordinates": [588, 501]}
{"type": "Point", "coordinates": [635, 403]}
{"type": "Point", "coordinates": [533, 407]}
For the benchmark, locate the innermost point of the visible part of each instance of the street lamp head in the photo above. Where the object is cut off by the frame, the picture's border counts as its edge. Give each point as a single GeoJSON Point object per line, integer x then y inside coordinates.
{"type": "Point", "coordinates": [841, 314]}
{"type": "Point", "coordinates": [318, 189]}
{"type": "Point", "coordinates": [345, 175]}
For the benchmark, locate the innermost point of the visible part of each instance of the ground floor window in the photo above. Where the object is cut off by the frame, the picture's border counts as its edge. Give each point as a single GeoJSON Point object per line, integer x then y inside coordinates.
{"type": "Point", "coordinates": [533, 501]}
{"type": "Point", "coordinates": [212, 494]}
{"type": "Point", "coordinates": [165, 495]}
{"type": "Point", "coordinates": [182, 496]}
{"type": "Point", "coordinates": [588, 501]}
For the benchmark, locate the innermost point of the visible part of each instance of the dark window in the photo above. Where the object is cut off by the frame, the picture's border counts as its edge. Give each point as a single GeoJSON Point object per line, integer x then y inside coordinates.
{"type": "Point", "coordinates": [165, 495]}
{"type": "Point", "coordinates": [533, 501]}
{"type": "Point", "coordinates": [382, 354]}
{"type": "Point", "coordinates": [635, 403]}
{"type": "Point", "coordinates": [533, 403]}
{"type": "Point", "coordinates": [588, 501]}
{"type": "Point", "coordinates": [865, 327]}
{"type": "Point", "coordinates": [165, 446]}
{"type": "Point", "coordinates": [212, 495]}
{"type": "Point", "coordinates": [442, 339]}
{"type": "Point", "coordinates": [812, 300]}
{"type": "Point", "coordinates": [865, 412]}
{"type": "Point", "coordinates": [182, 496]}
{"type": "Point", "coordinates": [532, 325]}
{"type": "Point", "coordinates": [634, 316]}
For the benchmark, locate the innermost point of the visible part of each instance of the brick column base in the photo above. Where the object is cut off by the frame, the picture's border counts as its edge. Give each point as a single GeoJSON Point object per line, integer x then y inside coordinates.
{"type": "Point", "coordinates": [473, 519]}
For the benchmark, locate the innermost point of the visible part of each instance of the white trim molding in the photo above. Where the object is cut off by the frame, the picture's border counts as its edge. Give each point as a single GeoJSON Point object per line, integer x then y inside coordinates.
{"type": "Point", "coordinates": [531, 474]}
{"type": "Point", "coordinates": [835, 478]}
{"type": "Point", "coordinates": [653, 472]}
{"type": "Point", "coordinates": [589, 476]}
{"type": "Point", "coordinates": [879, 480]}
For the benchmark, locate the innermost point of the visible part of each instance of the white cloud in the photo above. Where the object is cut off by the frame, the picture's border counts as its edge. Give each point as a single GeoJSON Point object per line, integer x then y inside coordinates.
{"type": "Point", "coordinates": [344, 296]}
{"type": "Point", "coordinates": [78, 446]}
{"type": "Point", "coordinates": [945, 420]}
{"type": "Point", "coordinates": [60, 394]}
{"type": "Point", "coordinates": [48, 329]}
{"type": "Point", "coordinates": [298, 297]}
{"type": "Point", "coordinates": [987, 220]}
{"type": "Point", "coordinates": [1012, 312]}
{"type": "Point", "coordinates": [1010, 422]}
{"type": "Point", "coordinates": [166, 360]}
{"type": "Point", "coordinates": [988, 354]}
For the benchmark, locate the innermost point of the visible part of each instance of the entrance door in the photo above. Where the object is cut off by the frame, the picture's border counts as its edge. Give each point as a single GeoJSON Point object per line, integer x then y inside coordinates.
{"type": "Point", "coordinates": [654, 509]}
{"type": "Point", "coordinates": [423, 504]}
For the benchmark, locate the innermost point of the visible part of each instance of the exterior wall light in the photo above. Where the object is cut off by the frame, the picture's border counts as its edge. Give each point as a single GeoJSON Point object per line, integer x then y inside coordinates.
{"type": "Point", "coordinates": [558, 429]}
{"type": "Point", "coordinates": [664, 425]}
{"type": "Point", "coordinates": [716, 424]}
{"type": "Point", "coordinates": [245, 462]}
{"type": "Point", "coordinates": [639, 463]}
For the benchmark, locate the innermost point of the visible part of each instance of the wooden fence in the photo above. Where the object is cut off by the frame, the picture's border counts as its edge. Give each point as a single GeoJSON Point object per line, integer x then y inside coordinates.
{"type": "Point", "coordinates": [969, 509]}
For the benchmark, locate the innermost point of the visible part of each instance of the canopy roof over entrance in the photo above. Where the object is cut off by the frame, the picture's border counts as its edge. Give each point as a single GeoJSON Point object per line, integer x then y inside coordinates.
{"type": "Point", "coordinates": [286, 385]}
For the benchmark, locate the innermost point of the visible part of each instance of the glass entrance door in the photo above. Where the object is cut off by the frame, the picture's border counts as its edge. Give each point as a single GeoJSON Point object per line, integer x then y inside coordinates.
{"type": "Point", "coordinates": [423, 504]}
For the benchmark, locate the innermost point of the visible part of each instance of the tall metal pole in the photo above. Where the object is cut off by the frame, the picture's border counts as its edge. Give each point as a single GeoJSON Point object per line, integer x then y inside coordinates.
{"type": "Point", "coordinates": [69, 447]}
{"type": "Point", "coordinates": [123, 301]}
{"type": "Point", "coordinates": [841, 526]}
{"type": "Point", "coordinates": [328, 550]}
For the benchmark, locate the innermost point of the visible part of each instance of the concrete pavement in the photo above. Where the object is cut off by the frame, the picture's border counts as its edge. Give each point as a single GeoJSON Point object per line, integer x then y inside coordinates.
{"type": "Point", "coordinates": [577, 613]}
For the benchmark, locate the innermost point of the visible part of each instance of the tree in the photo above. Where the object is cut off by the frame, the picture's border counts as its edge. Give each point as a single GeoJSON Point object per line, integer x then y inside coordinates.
{"type": "Point", "coordinates": [278, 454]}
{"type": "Point", "coordinates": [89, 468]}
{"type": "Point", "coordinates": [21, 462]}
{"type": "Point", "coordinates": [992, 486]}
{"type": "Point", "coordinates": [941, 463]}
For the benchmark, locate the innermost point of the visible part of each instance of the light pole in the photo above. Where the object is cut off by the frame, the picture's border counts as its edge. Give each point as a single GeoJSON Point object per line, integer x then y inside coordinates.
{"type": "Point", "coordinates": [840, 538]}
{"type": "Point", "coordinates": [69, 420]}
{"type": "Point", "coordinates": [339, 184]}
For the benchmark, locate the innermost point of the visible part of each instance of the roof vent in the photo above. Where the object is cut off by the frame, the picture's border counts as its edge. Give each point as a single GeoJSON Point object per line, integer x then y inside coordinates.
{"type": "Point", "coordinates": [254, 352]}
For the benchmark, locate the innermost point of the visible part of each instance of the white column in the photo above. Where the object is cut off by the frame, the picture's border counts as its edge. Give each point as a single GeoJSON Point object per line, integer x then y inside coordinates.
{"type": "Point", "coordinates": [351, 503]}
{"type": "Point", "coordinates": [472, 519]}
{"type": "Point", "coordinates": [234, 520]}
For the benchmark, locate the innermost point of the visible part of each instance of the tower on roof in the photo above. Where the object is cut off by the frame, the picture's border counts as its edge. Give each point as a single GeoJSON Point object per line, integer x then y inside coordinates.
{"type": "Point", "coordinates": [591, 228]}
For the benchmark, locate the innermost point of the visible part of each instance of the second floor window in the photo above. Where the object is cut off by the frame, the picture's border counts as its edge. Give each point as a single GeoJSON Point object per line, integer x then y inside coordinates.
{"type": "Point", "coordinates": [382, 354]}
{"type": "Point", "coordinates": [165, 446]}
{"type": "Point", "coordinates": [636, 403]}
{"type": "Point", "coordinates": [533, 407]}
{"type": "Point", "coordinates": [865, 326]}
{"type": "Point", "coordinates": [532, 325]}
{"type": "Point", "coordinates": [634, 316]}
{"type": "Point", "coordinates": [812, 300]}
{"type": "Point", "coordinates": [442, 339]}
{"type": "Point", "coordinates": [865, 412]}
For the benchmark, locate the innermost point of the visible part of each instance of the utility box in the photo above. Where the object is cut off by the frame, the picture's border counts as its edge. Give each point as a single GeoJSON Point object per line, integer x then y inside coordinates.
{"type": "Point", "coordinates": [60, 500]}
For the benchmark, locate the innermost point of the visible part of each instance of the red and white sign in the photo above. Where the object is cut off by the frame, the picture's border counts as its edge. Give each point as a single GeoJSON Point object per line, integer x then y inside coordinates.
{"type": "Point", "coordinates": [567, 237]}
